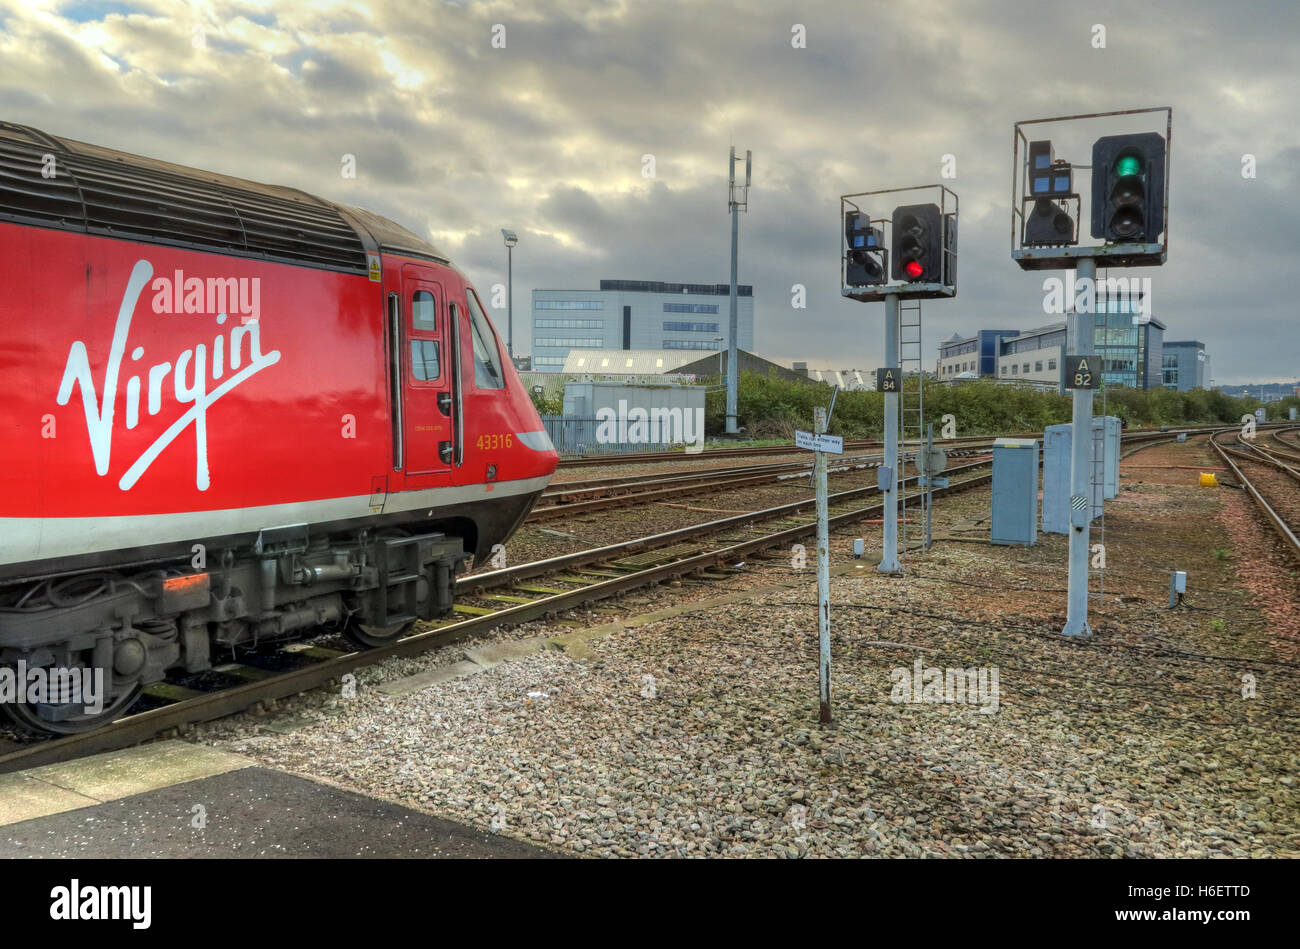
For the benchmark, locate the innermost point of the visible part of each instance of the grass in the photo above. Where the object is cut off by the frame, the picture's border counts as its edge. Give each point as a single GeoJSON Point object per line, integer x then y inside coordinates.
{"type": "Point", "coordinates": [1222, 553]}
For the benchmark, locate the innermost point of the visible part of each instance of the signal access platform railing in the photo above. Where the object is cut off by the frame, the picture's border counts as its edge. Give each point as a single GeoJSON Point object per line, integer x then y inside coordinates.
{"type": "Point", "coordinates": [1126, 195]}
{"type": "Point", "coordinates": [919, 258]}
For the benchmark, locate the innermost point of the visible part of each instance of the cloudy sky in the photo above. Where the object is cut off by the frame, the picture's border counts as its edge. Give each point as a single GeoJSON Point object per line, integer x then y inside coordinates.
{"type": "Point", "coordinates": [455, 138]}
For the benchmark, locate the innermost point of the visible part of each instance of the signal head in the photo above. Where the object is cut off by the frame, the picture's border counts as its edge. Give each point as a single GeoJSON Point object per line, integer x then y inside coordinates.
{"type": "Point", "coordinates": [864, 266]}
{"type": "Point", "coordinates": [918, 240]}
{"type": "Point", "coordinates": [1048, 224]}
{"type": "Point", "coordinates": [1128, 178]}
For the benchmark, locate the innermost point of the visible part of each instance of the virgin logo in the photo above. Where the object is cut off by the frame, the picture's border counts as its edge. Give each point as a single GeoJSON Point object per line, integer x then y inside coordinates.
{"type": "Point", "coordinates": [189, 372]}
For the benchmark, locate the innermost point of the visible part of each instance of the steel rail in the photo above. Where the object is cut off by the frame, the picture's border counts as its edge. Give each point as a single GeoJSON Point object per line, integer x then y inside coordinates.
{"type": "Point", "coordinates": [1279, 524]}
{"type": "Point", "coordinates": [692, 486]}
{"type": "Point", "coordinates": [506, 576]}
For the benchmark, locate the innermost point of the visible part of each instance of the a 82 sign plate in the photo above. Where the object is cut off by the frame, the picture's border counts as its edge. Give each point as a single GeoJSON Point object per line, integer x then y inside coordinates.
{"type": "Point", "coordinates": [1082, 372]}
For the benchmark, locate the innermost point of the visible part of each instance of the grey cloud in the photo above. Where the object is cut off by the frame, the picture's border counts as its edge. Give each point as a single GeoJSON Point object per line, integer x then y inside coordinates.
{"type": "Point", "coordinates": [546, 136]}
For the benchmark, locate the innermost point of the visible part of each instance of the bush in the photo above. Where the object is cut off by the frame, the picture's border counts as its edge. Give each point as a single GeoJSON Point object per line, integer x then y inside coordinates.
{"type": "Point", "coordinates": [553, 405]}
{"type": "Point", "coordinates": [771, 407]}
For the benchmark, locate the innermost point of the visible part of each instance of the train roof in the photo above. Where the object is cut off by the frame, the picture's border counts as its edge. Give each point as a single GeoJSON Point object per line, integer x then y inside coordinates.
{"type": "Point", "coordinates": [101, 191]}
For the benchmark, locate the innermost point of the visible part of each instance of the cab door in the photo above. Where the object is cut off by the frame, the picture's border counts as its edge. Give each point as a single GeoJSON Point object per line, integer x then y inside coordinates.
{"type": "Point", "coordinates": [428, 417]}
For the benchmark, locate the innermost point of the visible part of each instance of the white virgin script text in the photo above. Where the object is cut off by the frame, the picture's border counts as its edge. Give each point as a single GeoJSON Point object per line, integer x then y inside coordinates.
{"type": "Point", "coordinates": [189, 385]}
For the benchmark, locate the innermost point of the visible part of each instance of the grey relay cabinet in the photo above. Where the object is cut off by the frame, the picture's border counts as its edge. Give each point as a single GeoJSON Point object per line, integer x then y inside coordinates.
{"type": "Point", "coordinates": [1106, 445]}
{"type": "Point", "coordinates": [1103, 473]}
{"type": "Point", "coordinates": [1015, 491]}
{"type": "Point", "coordinates": [1056, 479]}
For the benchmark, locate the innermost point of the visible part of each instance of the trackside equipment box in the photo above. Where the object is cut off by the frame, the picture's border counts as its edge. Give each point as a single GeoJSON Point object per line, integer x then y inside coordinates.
{"type": "Point", "coordinates": [1109, 427]}
{"type": "Point", "coordinates": [1104, 473]}
{"type": "Point", "coordinates": [1056, 479]}
{"type": "Point", "coordinates": [1015, 491]}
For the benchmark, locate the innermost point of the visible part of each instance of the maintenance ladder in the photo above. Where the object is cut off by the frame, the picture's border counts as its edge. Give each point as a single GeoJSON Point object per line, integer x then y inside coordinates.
{"type": "Point", "coordinates": [911, 414]}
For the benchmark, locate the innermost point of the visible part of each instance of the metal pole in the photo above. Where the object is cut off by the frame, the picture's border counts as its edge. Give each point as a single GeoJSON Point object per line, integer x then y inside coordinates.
{"type": "Point", "coordinates": [510, 301]}
{"type": "Point", "coordinates": [823, 572]}
{"type": "Point", "coordinates": [1079, 333]}
{"type": "Point", "coordinates": [889, 558]}
{"type": "Point", "coordinates": [929, 496]}
{"type": "Point", "coordinates": [733, 377]}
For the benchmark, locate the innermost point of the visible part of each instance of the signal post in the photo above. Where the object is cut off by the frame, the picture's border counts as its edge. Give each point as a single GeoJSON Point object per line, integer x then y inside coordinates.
{"type": "Point", "coordinates": [887, 381]}
{"type": "Point", "coordinates": [918, 261]}
{"type": "Point", "coordinates": [1082, 380]}
{"type": "Point", "coordinates": [1129, 215]}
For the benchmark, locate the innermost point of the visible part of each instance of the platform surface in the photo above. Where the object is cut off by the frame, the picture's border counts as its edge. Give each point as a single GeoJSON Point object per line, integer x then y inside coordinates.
{"type": "Point", "coordinates": [174, 799]}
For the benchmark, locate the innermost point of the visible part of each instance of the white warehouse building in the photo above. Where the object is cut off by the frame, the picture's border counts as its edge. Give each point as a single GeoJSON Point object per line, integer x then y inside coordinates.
{"type": "Point", "coordinates": [637, 315]}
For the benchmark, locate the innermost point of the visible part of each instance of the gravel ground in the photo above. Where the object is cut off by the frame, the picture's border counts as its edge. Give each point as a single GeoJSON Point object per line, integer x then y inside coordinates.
{"type": "Point", "coordinates": [696, 735]}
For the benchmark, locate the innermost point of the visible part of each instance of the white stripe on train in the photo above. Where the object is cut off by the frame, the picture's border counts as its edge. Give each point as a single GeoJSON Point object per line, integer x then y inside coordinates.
{"type": "Point", "coordinates": [42, 538]}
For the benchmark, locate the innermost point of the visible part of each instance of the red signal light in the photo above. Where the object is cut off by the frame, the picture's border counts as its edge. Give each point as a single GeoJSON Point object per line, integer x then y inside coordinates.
{"type": "Point", "coordinates": [913, 269]}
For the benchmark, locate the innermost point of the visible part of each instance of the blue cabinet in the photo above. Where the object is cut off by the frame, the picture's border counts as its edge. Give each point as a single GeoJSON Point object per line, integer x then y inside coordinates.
{"type": "Point", "coordinates": [1056, 479]}
{"type": "Point", "coordinates": [1015, 491]}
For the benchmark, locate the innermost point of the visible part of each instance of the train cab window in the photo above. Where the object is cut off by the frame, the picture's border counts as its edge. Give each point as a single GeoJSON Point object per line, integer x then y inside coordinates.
{"type": "Point", "coordinates": [487, 357]}
{"type": "Point", "coordinates": [424, 360]}
{"type": "Point", "coordinates": [424, 312]}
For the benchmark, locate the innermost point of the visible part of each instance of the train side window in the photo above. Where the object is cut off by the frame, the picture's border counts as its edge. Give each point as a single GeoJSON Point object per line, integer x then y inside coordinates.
{"type": "Point", "coordinates": [424, 312]}
{"type": "Point", "coordinates": [487, 358]}
{"type": "Point", "coordinates": [424, 360]}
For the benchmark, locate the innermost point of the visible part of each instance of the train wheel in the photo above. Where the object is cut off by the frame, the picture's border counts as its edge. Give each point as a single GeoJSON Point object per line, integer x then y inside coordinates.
{"type": "Point", "coordinates": [69, 719]}
{"type": "Point", "coordinates": [372, 637]}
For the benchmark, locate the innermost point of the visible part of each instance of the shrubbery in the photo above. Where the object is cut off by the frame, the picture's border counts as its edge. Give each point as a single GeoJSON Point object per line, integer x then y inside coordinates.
{"type": "Point", "coordinates": [771, 407]}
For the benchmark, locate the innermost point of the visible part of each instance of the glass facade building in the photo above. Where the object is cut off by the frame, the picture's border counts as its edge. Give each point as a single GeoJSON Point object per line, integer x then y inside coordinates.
{"type": "Point", "coordinates": [1129, 345]}
{"type": "Point", "coordinates": [637, 315]}
{"type": "Point", "coordinates": [1185, 365]}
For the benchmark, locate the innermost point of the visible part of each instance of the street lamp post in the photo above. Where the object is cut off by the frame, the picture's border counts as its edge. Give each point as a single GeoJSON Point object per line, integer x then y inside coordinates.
{"type": "Point", "coordinates": [737, 200]}
{"type": "Point", "coordinates": [720, 339]}
{"type": "Point", "coordinates": [511, 239]}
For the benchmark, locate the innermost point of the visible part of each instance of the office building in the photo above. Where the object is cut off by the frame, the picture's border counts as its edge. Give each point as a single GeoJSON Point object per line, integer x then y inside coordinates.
{"type": "Point", "coordinates": [637, 315]}
{"type": "Point", "coordinates": [1185, 365]}
{"type": "Point", "coordinates": [1035, 357]}
{"type": "Point", "coordinates": [969, 357]}
{"type": "Point", "coordinates": [1129, 344]}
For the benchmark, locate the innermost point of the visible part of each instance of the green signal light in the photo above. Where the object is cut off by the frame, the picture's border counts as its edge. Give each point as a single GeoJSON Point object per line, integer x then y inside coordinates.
{"type": "Point", "coordinates": [1128, 166]}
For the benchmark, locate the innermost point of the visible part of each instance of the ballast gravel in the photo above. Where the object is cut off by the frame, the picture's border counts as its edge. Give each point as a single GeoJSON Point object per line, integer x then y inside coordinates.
{"type": "Point", "coordinates": [697, 734]}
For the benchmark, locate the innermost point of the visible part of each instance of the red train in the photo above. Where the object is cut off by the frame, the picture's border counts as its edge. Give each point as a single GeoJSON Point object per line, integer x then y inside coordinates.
{"type": "Point", "coordinates": [231, 412]}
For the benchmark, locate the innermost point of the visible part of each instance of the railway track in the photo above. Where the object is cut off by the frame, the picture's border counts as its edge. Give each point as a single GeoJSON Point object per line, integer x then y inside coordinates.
{"type": "Point", "coordinates": [1288, 436]}
{"type": "Point", "coordinates": [1269, 480]}
{"type": "Point", "coordinates": [485, 601]}
{"type": "Point", "coordinates": [1283, 443]}
{"type": "Point", "coordinates": [856, 445]}
{"type": "Point", "coordinates": [662, 457]}
{"type": "Point", "coordinates": [569, 499]}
